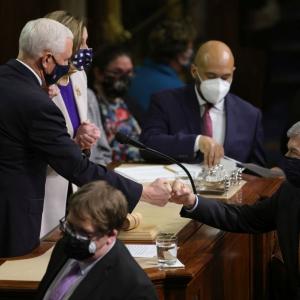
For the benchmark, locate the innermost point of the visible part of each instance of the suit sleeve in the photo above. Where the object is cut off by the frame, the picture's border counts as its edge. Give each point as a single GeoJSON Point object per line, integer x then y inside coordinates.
{"type": "Point", "coordinates": [257, 218]}
{"type": "Point", "coordinates": [157, 131]}
{"type": "Point", "coordinates": [258, 153]}
{"type": "Point", "coordinates": [48, 137]}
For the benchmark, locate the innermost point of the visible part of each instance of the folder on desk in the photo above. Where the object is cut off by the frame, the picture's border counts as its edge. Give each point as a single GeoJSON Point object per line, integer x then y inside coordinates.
{"type": "Point", "coordinates": [29, 269]}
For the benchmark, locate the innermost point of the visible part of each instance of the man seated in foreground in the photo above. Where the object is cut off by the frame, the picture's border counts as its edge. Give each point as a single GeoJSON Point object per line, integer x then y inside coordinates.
{"type": "Point", "coordinates": [89, 262]}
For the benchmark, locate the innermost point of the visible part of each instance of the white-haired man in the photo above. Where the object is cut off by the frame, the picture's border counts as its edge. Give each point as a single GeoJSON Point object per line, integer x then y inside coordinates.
{"type": "Point", "coordinates": [33, 134]}
{"type": "Point", "coordinates": [280, 212]}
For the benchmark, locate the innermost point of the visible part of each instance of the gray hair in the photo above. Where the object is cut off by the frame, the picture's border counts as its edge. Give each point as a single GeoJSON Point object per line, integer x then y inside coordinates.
{"type": "Point", "coordinates": [43, 34]}
{"type": "Point", "coordinates": [294, 130]}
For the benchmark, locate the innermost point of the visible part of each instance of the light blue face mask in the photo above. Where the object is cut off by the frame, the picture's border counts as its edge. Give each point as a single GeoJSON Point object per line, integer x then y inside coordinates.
{"type": "Point", "coordinates": [83, 58]}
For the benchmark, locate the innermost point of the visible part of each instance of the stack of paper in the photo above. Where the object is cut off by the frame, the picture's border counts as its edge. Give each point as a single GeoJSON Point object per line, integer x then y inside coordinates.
{"type": "Point", "coordinates": [145, 173]}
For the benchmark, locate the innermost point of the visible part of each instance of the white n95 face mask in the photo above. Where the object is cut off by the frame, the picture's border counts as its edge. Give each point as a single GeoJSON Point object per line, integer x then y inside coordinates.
{"type": "Point", "coordinates": [214, 90]}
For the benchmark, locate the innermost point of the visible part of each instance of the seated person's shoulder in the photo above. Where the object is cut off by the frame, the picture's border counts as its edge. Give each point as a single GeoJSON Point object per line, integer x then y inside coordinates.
{"type": "Point", "coordinates": [242, 104]}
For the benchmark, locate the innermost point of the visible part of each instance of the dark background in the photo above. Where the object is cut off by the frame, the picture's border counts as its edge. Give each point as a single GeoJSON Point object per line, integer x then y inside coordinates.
{"type": "Point", "coordinates": [263, 35]}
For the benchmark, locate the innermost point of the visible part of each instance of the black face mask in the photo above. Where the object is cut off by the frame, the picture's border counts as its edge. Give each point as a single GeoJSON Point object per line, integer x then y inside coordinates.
{"type": "Point", "coordinates": [78, 249]}
{"type": "Point", "coordinates": [115, 87]}
{"type": "Point", "coordinates": [291, 168]}
{"type": "Point", "coordinates": [58, 72]}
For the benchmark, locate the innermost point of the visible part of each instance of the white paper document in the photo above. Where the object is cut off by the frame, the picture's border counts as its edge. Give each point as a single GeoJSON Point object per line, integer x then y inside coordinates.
{"type": "Point", "coordinates": [148, 173]}
{"type": "Point", "coordinates": [141, 250]}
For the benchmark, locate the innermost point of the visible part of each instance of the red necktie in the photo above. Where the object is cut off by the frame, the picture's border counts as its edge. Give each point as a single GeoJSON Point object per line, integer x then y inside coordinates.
{"type": "Point", "coordinates": [206, 121]}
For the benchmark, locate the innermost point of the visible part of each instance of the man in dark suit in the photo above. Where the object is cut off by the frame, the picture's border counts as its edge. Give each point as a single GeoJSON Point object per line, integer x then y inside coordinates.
{"type": "Point", "coordinates": [204, 121]}
{"type": "Point", "coordinates": [33, 134]}
{"type": "Point", "coordinates": [280, 212]}
{"type": "Point", "coordinates": [108, 271]}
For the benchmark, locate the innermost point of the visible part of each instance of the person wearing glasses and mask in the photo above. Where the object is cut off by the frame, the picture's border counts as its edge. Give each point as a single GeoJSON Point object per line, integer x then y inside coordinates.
{"type": "Point", "coordinates": [33, 135]}
{"type": "Point", "coordinates": [70, 96]}
{"type": "Point", "coordinates": [204, 121]}
{"type": "Point", "coordinates": [111, 74]}
{"type": "Point", "coordinates": [89, 262]}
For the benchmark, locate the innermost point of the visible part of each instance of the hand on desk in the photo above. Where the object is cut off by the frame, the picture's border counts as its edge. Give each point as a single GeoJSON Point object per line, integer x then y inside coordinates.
{"type": "Point", "coordinates": [182, 194]}
{"type": "Point", "coordinates": [211, 150]}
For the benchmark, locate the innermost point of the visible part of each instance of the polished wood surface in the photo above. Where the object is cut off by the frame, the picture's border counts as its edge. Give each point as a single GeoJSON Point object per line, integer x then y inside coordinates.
{"type": "Point", "coordinates": [218, 264]}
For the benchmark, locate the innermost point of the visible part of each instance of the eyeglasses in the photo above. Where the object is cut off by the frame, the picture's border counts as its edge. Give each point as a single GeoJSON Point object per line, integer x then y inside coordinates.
{"type": "Point", "coordinates": [66, 227]}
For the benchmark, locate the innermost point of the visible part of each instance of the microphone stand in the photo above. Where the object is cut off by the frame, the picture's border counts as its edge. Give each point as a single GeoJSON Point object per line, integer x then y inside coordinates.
{"type": "Point", "coordinates": [171, 159]}
{"type": "Point", "coordinates": [124, 139]}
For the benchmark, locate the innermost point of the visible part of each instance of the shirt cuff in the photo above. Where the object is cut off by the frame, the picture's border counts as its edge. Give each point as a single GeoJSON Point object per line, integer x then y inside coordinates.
{"type": "Point", "coordinates": [196, 145]}
{"type": "Point", "coordinates": [194, 207]}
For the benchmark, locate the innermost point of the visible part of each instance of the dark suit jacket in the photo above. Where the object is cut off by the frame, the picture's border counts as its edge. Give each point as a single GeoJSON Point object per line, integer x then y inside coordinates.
{"type": "Point", "coordinates": [32, 135]}
{"type": "Point", "coordinates": [281, 212]}
{"type": "Point", "coordinates": [173, 123]}
{"type": "Point", "coordinates": [116, 276]}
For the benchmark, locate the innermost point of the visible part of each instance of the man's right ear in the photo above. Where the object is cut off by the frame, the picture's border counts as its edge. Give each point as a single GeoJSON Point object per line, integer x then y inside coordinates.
{"type": "Point", "coordinates": [46, 59]}
{"type": "Point", "coordinates": [194, 71]}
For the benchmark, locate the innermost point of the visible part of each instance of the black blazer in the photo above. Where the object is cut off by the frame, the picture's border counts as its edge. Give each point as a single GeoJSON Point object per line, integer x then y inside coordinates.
{"type": "Point", "coordinates": [116, 276]}
{"type": "Point", "coordinates": [280, 212]}
{"type": "Point", "coordinates": [32, 135]}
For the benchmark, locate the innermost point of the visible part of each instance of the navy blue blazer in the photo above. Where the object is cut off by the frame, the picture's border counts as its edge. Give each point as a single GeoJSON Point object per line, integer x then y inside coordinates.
{"type": "Point", "coordinates": [116, 276]}
{"type": "Point", "coordinates": [33, 134]}
{"type": "Point", "coordinates": [280, 212]}
{"type": "Point", "coordinates": [173, 123]}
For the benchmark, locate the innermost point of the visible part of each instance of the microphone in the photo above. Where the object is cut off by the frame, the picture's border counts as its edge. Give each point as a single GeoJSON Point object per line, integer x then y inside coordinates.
{"type": "Point", "coordinates": [124, 139]}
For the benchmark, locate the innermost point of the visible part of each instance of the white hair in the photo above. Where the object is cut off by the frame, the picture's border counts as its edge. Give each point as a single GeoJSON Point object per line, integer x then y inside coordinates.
{"type": "Point", "coordinates": [43, 34]}
{"type": "Point", "coordinates": [294, 130]}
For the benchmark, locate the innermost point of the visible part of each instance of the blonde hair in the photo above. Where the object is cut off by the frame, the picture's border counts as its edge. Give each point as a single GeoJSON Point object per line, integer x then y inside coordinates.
{"type": "Point", "coordinates": [76, 25]}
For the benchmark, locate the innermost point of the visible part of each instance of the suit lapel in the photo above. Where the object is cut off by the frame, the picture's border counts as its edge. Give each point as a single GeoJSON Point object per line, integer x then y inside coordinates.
{"type": "Point", "coordinates": [191, 109]}
{"type": "Point", "coordinates": [97, 276]}
{"type": "Point", "coordinates": [58, 262]}
{"type": "Point", "coordinates": [58, 100]}
{"type": "Point", "coordinates": [80, 94]}
{"type": "Point", "coordinates": [231, 130]}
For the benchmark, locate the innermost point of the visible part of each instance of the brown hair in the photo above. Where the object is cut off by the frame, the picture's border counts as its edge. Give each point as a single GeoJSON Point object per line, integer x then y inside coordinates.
{"type": "Point", "coordinates": [102, 204]}
{"type": "Point", "coordinates": [170, 38]}
{"type": "Point", "coordinates": [76, 25]}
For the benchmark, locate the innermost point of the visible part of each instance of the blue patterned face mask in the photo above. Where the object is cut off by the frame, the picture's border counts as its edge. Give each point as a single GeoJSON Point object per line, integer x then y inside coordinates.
{"type": "Point", "coordinates": [83, 58]}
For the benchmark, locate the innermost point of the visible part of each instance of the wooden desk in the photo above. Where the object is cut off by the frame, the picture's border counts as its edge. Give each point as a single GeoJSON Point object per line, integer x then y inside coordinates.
{"type": "Point", "coordinates": [218, 265]}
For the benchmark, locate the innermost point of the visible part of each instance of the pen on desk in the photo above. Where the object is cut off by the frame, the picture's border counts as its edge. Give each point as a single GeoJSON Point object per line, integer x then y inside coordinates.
{"type": "Point", "coordinates": [170, 169]}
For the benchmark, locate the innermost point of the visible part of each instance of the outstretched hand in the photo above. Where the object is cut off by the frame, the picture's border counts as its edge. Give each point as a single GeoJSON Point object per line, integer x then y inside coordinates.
{"type": "Point", "coordinates": [182, 194]}
{"type": "Point", "coordinates": [157, 193]}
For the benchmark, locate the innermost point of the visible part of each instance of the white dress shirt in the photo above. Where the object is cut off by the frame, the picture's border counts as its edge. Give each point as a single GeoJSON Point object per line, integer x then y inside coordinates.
{"type": "Point", "coordinates": [218, 118]}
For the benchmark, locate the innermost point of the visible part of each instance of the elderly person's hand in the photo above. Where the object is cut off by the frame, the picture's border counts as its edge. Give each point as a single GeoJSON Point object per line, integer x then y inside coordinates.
{"type": "Point", "coordinates": [87, 135]}
{"type": "Point", "coordinates": [157, 193]}
{"type": "Point", "coordinates": [53, 90]}
{"type": "Point", "coordinates": [212, 151]}
{"type": "Point", "coordinates": [182, 194]}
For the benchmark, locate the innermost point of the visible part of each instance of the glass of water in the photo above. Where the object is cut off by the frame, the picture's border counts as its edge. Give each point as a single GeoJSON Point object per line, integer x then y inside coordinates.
{"type": "Point", "coordinates": [166, 246]}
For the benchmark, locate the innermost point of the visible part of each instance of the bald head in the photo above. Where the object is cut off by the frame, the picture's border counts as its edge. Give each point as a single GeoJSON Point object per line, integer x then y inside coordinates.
{"type": "Point", "coordinates": [214, 59]}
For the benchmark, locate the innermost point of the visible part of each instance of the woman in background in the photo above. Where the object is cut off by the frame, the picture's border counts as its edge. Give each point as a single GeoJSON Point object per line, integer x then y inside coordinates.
{"type": "Point", "coordinates": [70, 95]}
